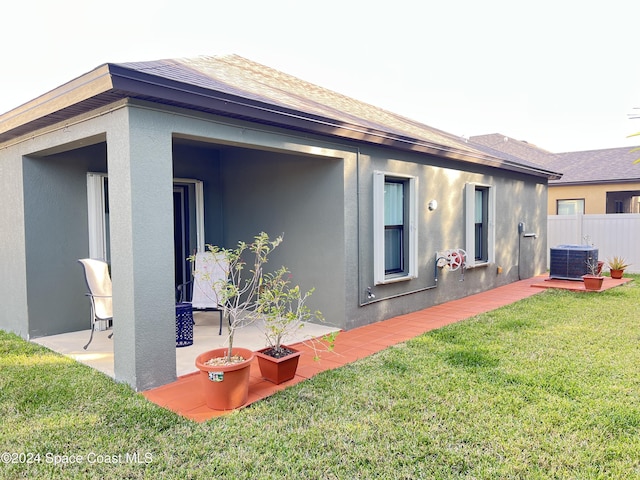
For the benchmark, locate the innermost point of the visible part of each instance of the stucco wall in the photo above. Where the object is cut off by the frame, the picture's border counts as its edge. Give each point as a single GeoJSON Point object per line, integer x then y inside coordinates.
{"type": "Point", "coordinates": [13, 280]}
{"type": "Point", "coordinates": [595, 196]}
{"type": "Point", "coordinates": [201, 162]}
{"type": "Point", "coordinates": [56, 236]}
{"type": "Point", "coordinates": [519, 198]}
{"type": "Point", "coordinates": [302, 198]}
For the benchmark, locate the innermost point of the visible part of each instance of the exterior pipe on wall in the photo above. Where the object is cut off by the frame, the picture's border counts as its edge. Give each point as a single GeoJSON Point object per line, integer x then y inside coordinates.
{"type": "Point", "coordinates": [521, 235]}
{"type": "Point", "coordinates": [436, 268]}
{"type": "Point", "coordinates": [397, 295]}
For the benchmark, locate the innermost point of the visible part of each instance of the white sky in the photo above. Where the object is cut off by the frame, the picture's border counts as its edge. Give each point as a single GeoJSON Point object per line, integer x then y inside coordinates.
{"type": "Point", "coordinates": [562, 74]}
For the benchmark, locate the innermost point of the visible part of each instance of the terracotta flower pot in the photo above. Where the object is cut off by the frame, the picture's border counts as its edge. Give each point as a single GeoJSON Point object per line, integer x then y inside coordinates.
{"type": "Point", "coordinates": [592, 282]}
{"type": "Point", "coordinates": [225, 387]}
{"type": "Point", "coordinates": [278, 370]}
{"type": "Point", "coordinates": [616, 273]}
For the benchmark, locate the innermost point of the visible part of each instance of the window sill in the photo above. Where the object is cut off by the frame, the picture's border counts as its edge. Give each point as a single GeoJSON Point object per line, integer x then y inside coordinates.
{"type": "Point", "coordinates": [477, 265]}
{"type": "Point", "coordinates": [400, 278]}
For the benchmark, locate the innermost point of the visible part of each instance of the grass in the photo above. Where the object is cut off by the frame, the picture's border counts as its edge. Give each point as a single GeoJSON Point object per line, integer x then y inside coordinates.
{"type": "Point", "coordinates": [545, 388]}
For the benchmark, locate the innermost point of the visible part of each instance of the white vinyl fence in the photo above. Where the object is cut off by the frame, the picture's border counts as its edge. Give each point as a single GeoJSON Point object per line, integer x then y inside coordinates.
{"type": "Point", "coordinates": [612, 234]}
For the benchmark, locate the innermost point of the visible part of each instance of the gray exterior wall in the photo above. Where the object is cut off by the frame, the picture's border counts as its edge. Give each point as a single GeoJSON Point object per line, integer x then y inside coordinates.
{"type": "Point", "coordinates": [202, 162]}
{"type": "Point", "coordinates": [317, 191]}
{"type": "Point", "coordinates": [519, 198]}
{"type": "Point", "coordinates": [302, 198]}
{"type": "Point", "coordinates": [55, 189]}
{"type": "Point", "coordinates": [14, 316]}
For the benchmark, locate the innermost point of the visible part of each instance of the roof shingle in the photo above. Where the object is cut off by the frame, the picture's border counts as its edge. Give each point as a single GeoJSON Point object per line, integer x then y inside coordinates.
{"type": "Point", "coordinates": [585, 167]}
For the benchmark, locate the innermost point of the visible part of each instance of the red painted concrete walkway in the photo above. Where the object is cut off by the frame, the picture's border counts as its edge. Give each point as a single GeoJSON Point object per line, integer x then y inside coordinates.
{"type": "Point", "coordinates": [185, 398]}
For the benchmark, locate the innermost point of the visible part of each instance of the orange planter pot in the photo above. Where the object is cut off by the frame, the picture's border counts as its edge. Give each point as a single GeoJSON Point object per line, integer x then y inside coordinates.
{"type": "Point", "coordinates": [616, 273]}
{"type": "Point", "coordinates": [592, 282]}
{"type": "Point", "coordinates": [225, 387]}
{"type": "Point", "coordinates": [278, 370]}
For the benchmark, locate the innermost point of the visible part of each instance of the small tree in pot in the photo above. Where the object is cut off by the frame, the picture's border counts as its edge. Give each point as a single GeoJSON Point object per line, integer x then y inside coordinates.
{"type": "Point", "coordinates": [284, 309]}
{"type": "Point", "coordinates": [593, 280]}
{"type": "Point", "coordinates": [285, 312]}
{"type": "Point", "coordinates": [225, 371]}
{"type": "Point", "coordinates": [238, 293]}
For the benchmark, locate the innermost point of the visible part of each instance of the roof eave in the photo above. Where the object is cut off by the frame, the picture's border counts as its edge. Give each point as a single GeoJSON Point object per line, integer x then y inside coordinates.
{"type": "Point", "coordinates": [126, 82]}
{"type": "Point", "coordinates": [71, 93]}
{"type": "Point", "coordinates": [173, 92]}
{"type": "Point", "coordinates": [595, 182]}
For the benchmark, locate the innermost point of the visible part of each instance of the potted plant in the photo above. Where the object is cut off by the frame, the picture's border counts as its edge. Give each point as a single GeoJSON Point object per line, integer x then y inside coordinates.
{"type": "Point", "coordinates": [285, 312]}
{"type": "Point", "coordinates": [593, 280]}
{"type": "Point", "coordinates": [617, 266]}
{"type": "Point", "coordinates": [225, 371]}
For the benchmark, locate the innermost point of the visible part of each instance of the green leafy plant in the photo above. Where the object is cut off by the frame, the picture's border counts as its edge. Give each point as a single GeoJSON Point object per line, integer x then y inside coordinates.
{"type": "Point", "coordinates": [285, 311]}
{"type": "Point", "coordinates": [617, 263]}
{"type": "Point", "coordinates": [238, 293]}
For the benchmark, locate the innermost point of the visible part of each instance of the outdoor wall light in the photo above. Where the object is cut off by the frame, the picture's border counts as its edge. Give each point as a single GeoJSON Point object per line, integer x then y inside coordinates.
{"type": "Point", "coordinates": [433, 204]}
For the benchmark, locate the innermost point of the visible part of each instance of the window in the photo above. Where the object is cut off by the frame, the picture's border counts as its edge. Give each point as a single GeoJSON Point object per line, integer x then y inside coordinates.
{"type": "Point", "coordinates": [570, 207]}
{"type": "Point", "coordinates": [394, 208]}
{"type": "Point", "coordinates": [481, 221]}
{"type": "Point", "coordinates": [395, 227]}
{"type": "Point", "coordinates": [479, 224]}
{"type": "Point", "coordinates": [619, 206]}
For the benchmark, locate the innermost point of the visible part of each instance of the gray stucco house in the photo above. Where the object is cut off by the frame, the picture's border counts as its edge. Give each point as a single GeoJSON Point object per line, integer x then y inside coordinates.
{"type": "Point", "coordinates": [142, 163]}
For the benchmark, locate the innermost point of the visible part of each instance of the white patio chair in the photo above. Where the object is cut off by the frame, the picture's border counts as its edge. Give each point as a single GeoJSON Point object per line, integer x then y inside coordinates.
{"type": "Point", "coordinates": [96, 274]}
{"type": "Point", "coordinates": [208, 272]}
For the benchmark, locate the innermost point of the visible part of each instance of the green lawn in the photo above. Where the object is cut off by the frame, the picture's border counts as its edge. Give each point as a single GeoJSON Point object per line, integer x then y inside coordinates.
{"type": "Point", "coordinates": [546, 388]}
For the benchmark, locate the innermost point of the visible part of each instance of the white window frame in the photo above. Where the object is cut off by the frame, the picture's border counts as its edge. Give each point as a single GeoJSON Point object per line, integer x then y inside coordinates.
{"type": "Point", "coordinates": [576, 203]}
{"type": "Point", "coordinates": [470, 231]}
{"type": "Point", "coordinates": [199, 198]}
{"type": "Point", "coordinates": [96, 216]}
{"type": "Point", "coordinates": [411, 257]}
{"type": "Point", "coordinates": [97, 221]}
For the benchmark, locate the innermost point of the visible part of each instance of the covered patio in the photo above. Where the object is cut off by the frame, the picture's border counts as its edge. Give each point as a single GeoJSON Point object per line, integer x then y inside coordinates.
{"type": "Point", "coordinates": [144, 211]}
{"type": "Point", "coordinates": [99, 354]}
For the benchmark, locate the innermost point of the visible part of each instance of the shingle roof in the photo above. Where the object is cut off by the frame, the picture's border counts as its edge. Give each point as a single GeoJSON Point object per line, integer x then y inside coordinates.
{"type": "Point", "coordinates": [238, 76]}
{"type": "Point", "coordinates": [585, 167]}
{"type": "Point", "coordinates": [520, 151]}
{"type": "Point", "coordinates": [233, 86]}
{"type": "Point", "coordinates": [610, 165]}
{"type": "Point", "coordinates": [517, 148]}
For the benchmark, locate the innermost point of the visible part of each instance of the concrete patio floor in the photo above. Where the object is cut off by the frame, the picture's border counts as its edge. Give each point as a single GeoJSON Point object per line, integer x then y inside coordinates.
{"type": "Point", "coordinates": [99, 354]}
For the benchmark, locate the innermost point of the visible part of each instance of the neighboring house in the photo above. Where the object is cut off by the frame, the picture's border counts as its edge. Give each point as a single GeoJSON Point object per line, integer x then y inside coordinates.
{"type": "Point", "coordinates": [596, 181]}
{"type": "Point", "coordinates": [142, 163]}
{"type": "Point", "coordinates": [593, 182]}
